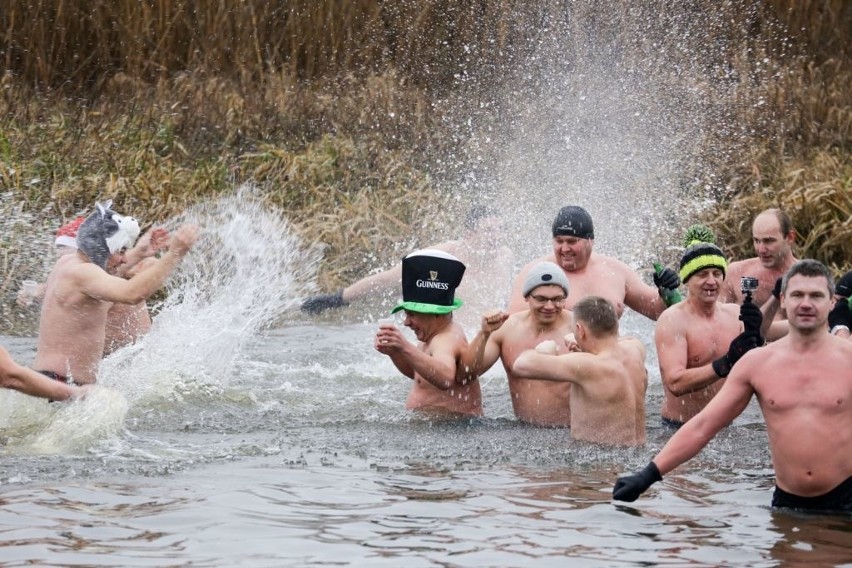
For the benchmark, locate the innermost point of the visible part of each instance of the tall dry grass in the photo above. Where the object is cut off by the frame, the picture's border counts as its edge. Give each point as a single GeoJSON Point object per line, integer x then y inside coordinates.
{"type": "Point", "coordinates": [801, 160]}
{"type": "Point", "coordinates": [345, 110]}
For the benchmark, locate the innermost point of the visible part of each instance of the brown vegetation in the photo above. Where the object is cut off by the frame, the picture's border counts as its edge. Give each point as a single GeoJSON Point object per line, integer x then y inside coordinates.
{"type": "Point", "coordinates": [345, 113]}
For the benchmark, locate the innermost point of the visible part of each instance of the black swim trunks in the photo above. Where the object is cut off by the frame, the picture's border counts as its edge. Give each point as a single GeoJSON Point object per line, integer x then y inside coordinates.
{"type": "Point", "coordinates": [669, 423]}
{"type": "Point", "coordinates": [838, 499]}
{"type": "Point", "coordinates": [56, 377]}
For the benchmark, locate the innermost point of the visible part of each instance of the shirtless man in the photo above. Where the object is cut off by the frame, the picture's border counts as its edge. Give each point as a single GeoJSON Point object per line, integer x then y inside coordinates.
{"type": "Point", "coordinates": [80, 291]}
{"type": "Point", "coordinates": [595, 274]}
{"type": "Point", "coordinates": [489, 270]}
{"type": "Point", "coordinates": [699, 339]}
{"type": "Point", "coordinates": [441, 385]}
{"type": "Point", "coordinates": [607, 376]}
{"type": "Point", "coordinates": [803, 383]}
{"type": "Point", "coordinates": [17, 377]}
{"type": "Point", "coordinates": [125, 323]}
{"type": "Point", "coordinates": [504, 336]}
{"type": "Point", "coordinates": [773, 237]}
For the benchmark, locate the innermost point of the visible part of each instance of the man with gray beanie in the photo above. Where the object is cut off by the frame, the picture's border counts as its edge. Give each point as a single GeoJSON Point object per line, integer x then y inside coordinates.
{"type": "Point", "coordinates": [82, 286]}
{"type": "Point", "coordinates": [545, 321]}
{"type": "Point", "coordinates": [595, 274]}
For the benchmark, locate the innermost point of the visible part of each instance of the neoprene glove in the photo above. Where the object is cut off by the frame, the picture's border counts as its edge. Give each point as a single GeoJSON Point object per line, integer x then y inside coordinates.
{"type": "Point", "coordinates": [840, 314]}
{"type": "Point", "coordinates": [751, 316]}
{"type": "Point", "coordinates": [630, 487]}
{"type": "Point", "coordinates": [666, 278]}
{"type": "Point", "coordinates": [667, 282]}
{"type": "Point", "coordinates": [742, 344]}
{"type": "Point", "coordinates": [776, 291]}
{"type": "Point", "coordinates": [318, 304]}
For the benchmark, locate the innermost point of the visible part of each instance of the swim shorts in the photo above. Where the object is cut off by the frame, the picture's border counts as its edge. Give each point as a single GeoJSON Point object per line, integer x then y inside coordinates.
{"type": "Point", "coordinates": [56, 377]}
{"type": "Point", "coordinates": [669, 423]}
{"type": "Point", "coordinates": [838, 499]}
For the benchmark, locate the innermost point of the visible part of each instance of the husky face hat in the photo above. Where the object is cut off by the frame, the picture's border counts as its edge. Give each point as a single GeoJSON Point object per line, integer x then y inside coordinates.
{"type": "Point", "coordinates": [429, 281]}
{"type": "Point", "coordinates": [105, 232]}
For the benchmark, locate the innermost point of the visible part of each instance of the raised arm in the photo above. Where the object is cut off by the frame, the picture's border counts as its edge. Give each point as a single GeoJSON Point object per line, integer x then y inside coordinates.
{"type": "Point", "coordinates": [98, 284]}
{"type": "Point", "coordinates": [153, 241]}
{"type": "Point", "coordinates": [641, 297]}
{"type": "Point", "coordinates": [568, 367]}
{"type": "Point", "coordinates": [484, 350]}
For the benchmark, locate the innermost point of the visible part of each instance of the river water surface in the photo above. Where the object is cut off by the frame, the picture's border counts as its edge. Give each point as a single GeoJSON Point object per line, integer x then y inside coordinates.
{"type": "Point", "coordinates": [241, 433]}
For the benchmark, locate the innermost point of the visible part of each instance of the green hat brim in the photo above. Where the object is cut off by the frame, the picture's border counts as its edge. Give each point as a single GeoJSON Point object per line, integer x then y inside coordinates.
{"type": "Point", "coordinates": [428, 308]}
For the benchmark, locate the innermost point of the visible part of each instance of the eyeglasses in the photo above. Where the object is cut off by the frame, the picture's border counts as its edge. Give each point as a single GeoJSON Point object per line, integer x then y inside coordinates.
{"type": "Point", "coordinates": [557, 301]}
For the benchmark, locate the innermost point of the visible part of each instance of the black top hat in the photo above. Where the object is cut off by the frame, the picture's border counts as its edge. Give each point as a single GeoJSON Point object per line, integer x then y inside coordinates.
{"type": "Point", "coordinates": [429, 281]}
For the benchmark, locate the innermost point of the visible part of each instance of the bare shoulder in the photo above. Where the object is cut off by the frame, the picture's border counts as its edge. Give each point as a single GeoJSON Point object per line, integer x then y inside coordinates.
{"type": "Point", "coordinates": [76, 270]}
{"type": "Point", "coordinates": [675, 316]}
{"type": "Point", "coordinates": [610, 262]}
{"type": "Point", "coordinates": [450, 340]}
{"type": "Point", "coordinates": [632, 343]}
{"type": "Point", "coordinates": [518, 323]}
{"type": "Point", "coordinates": [741, 267]}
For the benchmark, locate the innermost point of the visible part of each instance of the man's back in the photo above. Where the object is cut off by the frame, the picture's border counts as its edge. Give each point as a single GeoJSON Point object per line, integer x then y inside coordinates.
{"type": "Point", "coordinates": [608, 405]}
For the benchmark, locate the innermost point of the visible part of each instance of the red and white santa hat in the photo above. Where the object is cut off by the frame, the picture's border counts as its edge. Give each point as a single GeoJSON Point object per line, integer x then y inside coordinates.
{"type": "Point", "coordinates": [66, 236]}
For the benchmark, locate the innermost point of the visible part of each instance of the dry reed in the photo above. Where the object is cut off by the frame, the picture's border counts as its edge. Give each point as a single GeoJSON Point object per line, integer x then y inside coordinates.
{"type": "Point", "coordinates": [340, 109]}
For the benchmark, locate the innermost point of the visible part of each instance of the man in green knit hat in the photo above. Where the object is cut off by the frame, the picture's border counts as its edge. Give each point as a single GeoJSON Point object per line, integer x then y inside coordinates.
{"type": "Point", "coordinates": [699, 339]}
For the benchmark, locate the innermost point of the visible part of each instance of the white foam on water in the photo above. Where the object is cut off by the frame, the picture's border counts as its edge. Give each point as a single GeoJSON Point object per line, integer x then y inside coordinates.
{"type": "Point", "coordinates": [247, 269]}
{"type": "Point", "coordinates": [72, 427]}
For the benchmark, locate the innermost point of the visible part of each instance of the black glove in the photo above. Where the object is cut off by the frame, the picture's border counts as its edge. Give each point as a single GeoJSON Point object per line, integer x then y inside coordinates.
{"type": "Point", "coordinates": [776, 291]}
{"type": "Point", "coordinates": [666, 278]}
{"type": "Point", "coordinates": [840, 314]}
{"type": "Point", "coordinates": [666, 281]}
{"type": "Point", "coordinates": [630, 487]}
{"type": "Point", "coordinates": [318, 304]}
{"type": "Point", "coordinates": [751, 316]}
{"type": "Point", "coordinates": [742, 344]}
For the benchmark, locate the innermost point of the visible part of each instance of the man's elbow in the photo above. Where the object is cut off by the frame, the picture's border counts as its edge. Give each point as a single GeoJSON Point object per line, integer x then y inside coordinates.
{"type": "Point", "coordinates": [522, 367]}
{"type": "Point", "coordinates": [132, 297]}
{"type": "Point", "coordinates": [677, 386]}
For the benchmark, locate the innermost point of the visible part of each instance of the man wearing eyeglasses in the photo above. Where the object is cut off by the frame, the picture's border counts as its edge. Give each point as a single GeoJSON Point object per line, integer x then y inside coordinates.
{"type": "Point", "coordinates": [591, 273]}
{"type": "Point", "coordinates": [505, 336]}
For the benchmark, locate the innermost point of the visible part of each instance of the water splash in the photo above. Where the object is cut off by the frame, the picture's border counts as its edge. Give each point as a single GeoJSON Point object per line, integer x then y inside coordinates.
{"type": "Point", "coordinates": [626, 109]}
{"type": "Point", "coordinates": [247, 270]}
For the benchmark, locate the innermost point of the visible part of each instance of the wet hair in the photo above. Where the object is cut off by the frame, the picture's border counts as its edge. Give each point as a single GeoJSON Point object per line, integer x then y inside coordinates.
{"type": "Point", "coordinates": [810, 268]}
{"type": "Point", "coordinates": [598, 314]}
{"type": "Point", "coordinates": [784, 222]}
